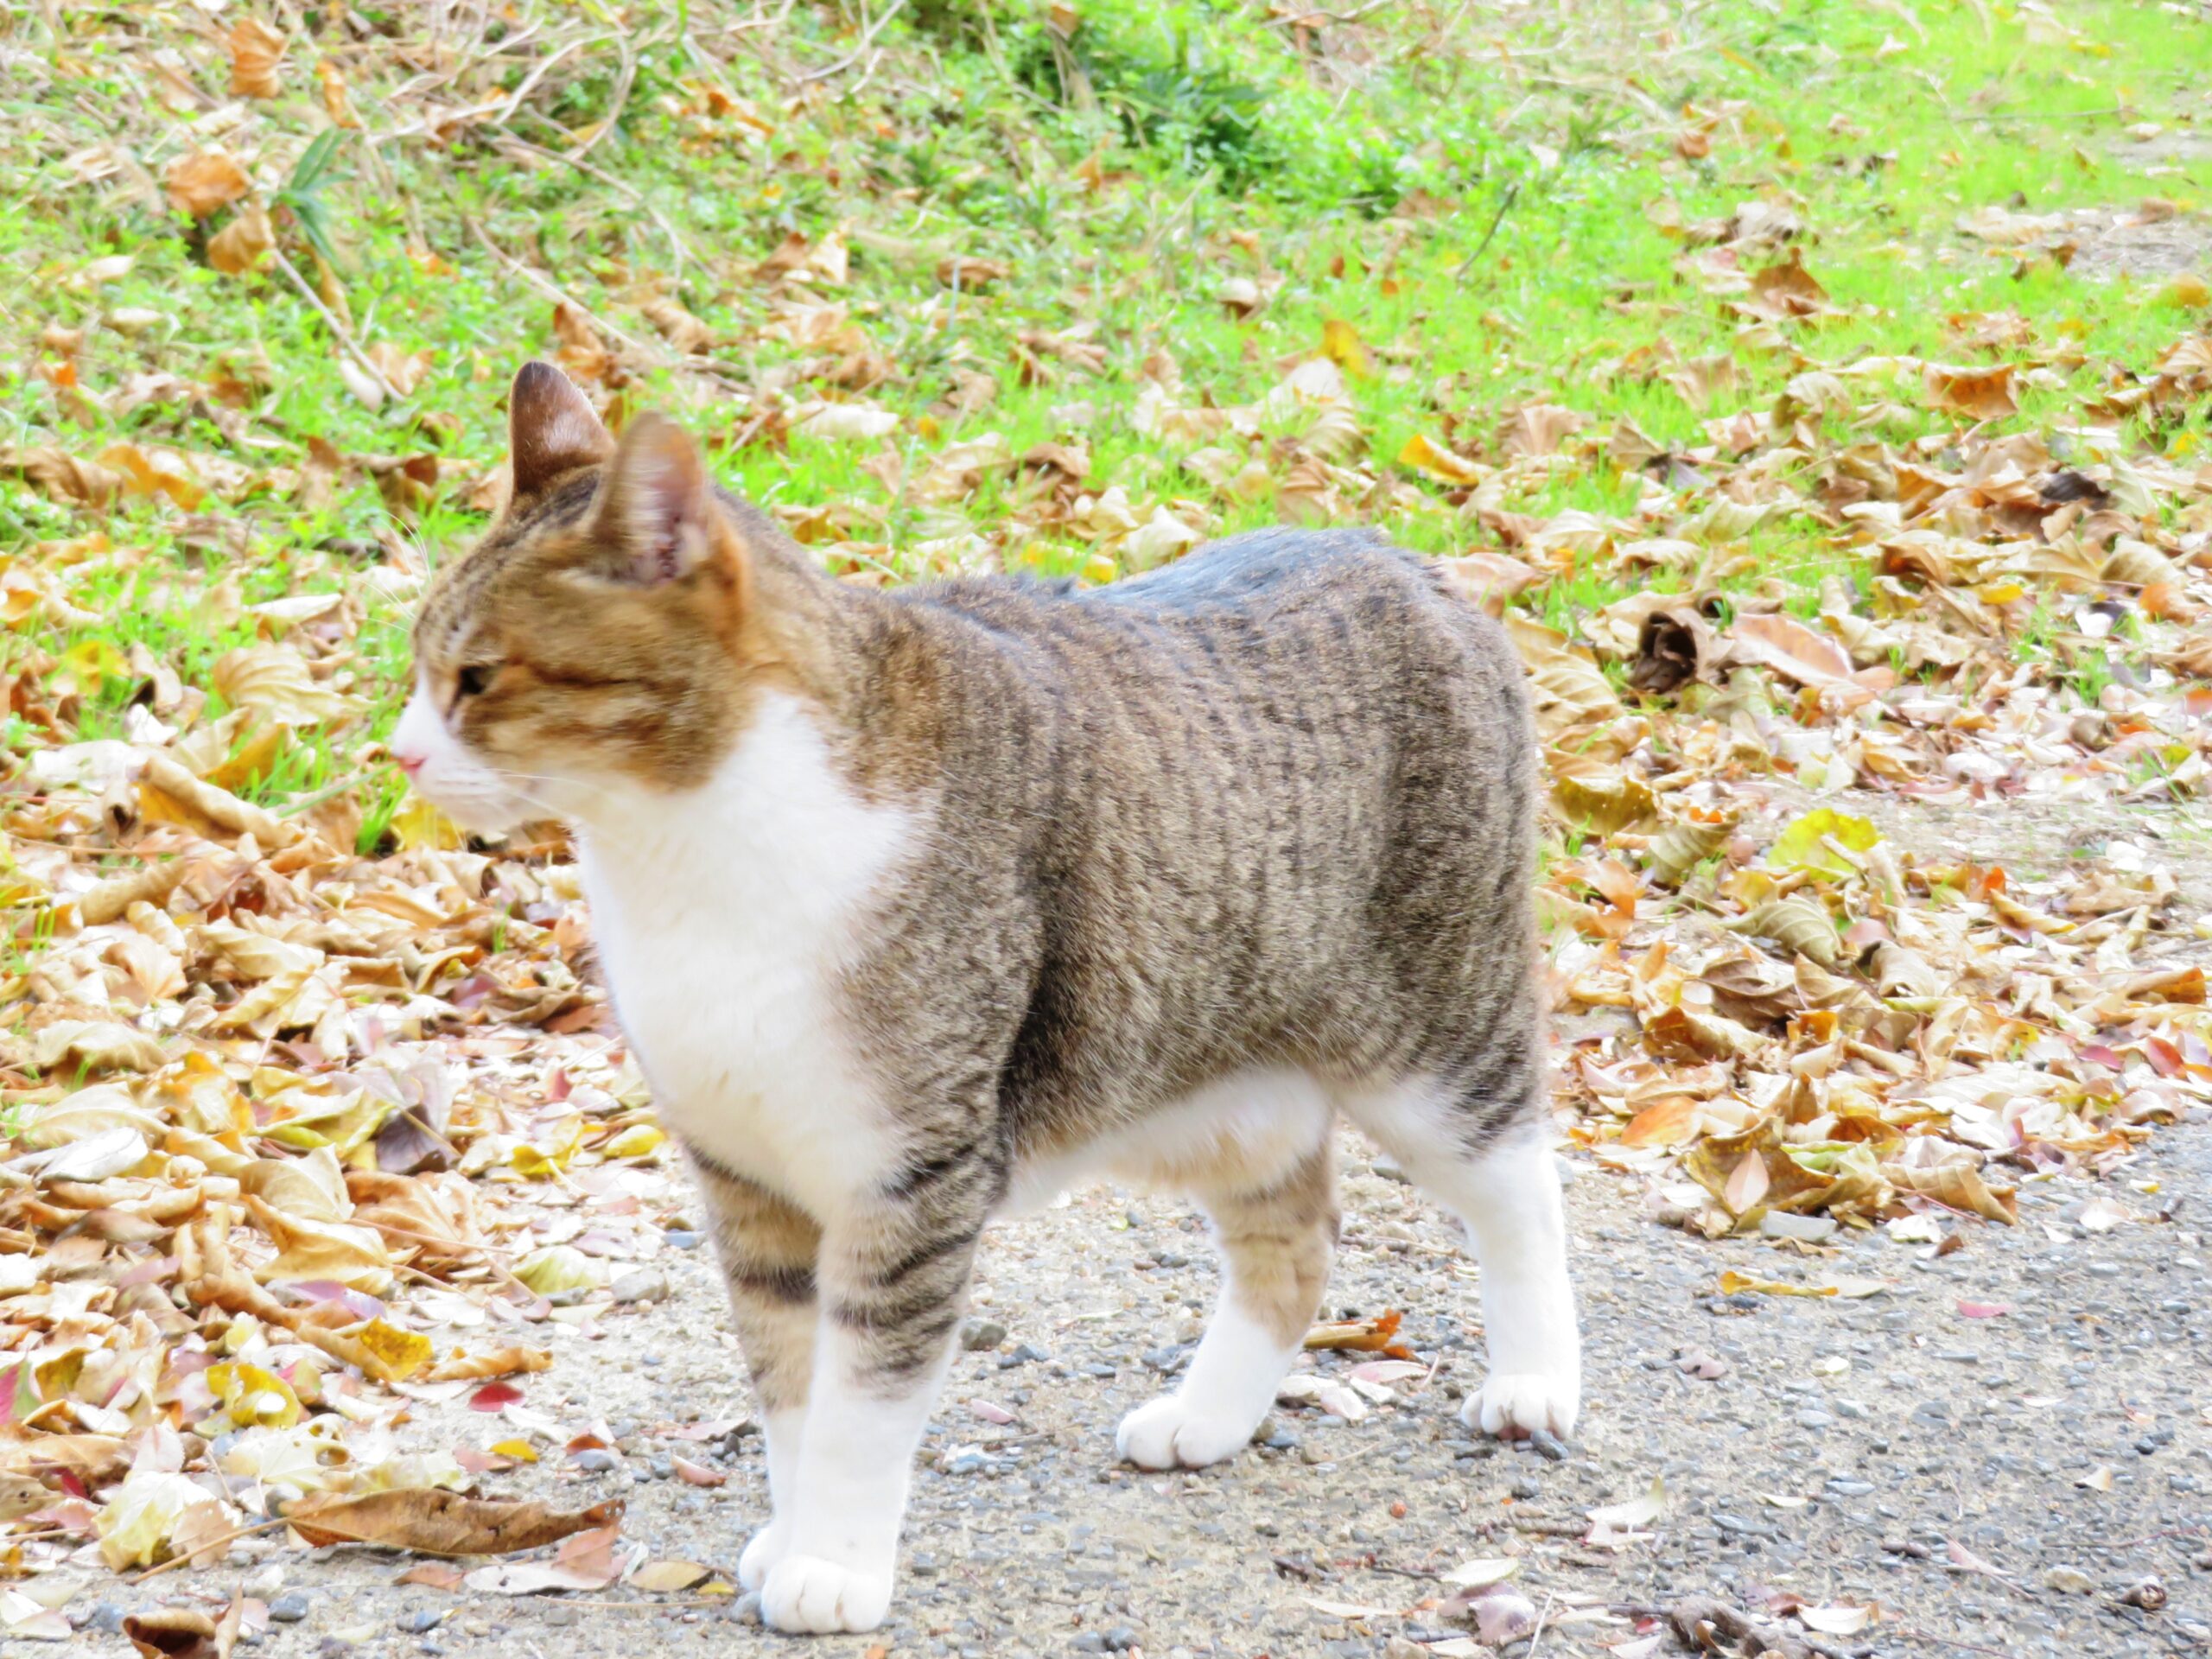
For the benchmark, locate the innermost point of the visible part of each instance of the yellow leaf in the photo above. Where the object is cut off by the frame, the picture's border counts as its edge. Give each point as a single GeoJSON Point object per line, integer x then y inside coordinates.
{"type": "Point", "coordinates": [253, 1397]}
{"type": "Point", "coordinates": [1340, 345]}
{"type": "Point", "coordinates": [418, 823]}
{"type": "Point", "coordinates": [557, 1267]}
{"type": "Point", "coordinates": [91, 664]}
{"type": "Point", "coordinates": [1735, 1284]}
{"type": "Point", "coordinates": [520, 1450]}
{"type": "Point", "coordinates": [541, 1163]}
{"type": "Point", "coordinates": [1436, 462]}
{"type": "Point", "coordinates": [635, 1141]}
{"type": "Point", "coordinates": [1805, 844]}
{"type": "Point", "coordinates": [2189, 291]}
{"type": "Point", "coordinates": [404, 1352]}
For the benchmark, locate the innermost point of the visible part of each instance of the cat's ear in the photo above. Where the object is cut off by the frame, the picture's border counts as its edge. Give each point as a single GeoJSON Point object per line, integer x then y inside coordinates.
{"type": "Point", "coordinates": [657, 504]}
{"type": "Point", "coordinates": [551, 429]}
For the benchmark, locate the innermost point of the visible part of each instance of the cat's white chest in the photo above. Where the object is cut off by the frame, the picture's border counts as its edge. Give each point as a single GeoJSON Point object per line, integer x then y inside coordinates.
{"type": "Point", "coordinates": [724, 917]}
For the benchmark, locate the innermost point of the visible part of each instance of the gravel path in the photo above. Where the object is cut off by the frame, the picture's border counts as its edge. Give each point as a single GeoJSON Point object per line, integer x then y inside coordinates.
{"type": "Point", "coordinates": [1849, 1449]}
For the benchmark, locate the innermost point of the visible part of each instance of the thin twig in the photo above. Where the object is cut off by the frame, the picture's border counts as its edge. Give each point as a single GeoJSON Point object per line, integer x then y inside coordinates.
{"type": "Point", "coordinates": [645, 349]}
{"type": "Point", "coordinates": [345, 335]}
{"type": "Point", "coordinates": [868, 39]}
{"type": "Point", "coordinates": [232, 1536]}
{"type": "Point", "coordinates": [1911, 1634]}
{"type": "Point", "coordinates": [678, 243]}
{"type": "Point", "coordinates": [616, 103]}
{"type": "Point", "coordinates": [1505, 204]}
{"type": "Point", "coordinates": [501, 111]}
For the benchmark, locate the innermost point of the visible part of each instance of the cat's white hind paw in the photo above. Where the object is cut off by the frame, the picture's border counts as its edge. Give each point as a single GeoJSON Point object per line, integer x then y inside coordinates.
{"type": "Point", "coordinates": [761, 1553]}
{"type": "Point", "coordinates": [1514, 1405]}
{"type": "Point", "coordinates": [1171, 1433]}
{"type": "Point", "coordinates": [806, 1595]}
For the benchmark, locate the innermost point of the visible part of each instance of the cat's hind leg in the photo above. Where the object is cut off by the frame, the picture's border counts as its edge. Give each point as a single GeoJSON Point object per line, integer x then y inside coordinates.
{"type": "Point", "coordinates": [1500, 1179]}
{"type": "Point", "coordinates": [1276, 1240]}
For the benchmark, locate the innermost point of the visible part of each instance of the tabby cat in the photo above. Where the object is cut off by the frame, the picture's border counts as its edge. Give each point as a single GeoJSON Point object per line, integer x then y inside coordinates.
{"type": "Point", "coordinates": [918, 906]}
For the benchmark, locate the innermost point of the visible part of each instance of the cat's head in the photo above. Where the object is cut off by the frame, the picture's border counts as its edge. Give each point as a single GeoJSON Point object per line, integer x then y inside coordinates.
{"type": "Point", "coordinates": [587, 648]}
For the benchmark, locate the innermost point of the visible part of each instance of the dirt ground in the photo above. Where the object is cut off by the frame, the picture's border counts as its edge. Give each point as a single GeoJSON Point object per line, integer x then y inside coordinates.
{"type": "Point", "coordinates": [1853, 1450]}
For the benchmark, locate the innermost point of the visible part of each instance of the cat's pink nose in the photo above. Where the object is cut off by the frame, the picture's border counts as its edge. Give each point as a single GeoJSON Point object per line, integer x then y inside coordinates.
{"type": "Point", "coordinates": [409, 761]}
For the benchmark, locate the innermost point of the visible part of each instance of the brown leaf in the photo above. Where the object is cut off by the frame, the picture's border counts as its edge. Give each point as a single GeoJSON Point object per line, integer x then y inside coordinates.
{"type": "Point", "coordinates": [184, 1632]}
{"type": "Point", "coordinates": [1539, 429]}
{"type": "Point", "coordinates": [204, 180]}
{"type": "Point", "coordinates": [60, 476]}
{"type": "Point", "coordinates": [94, 1460]}
{"type": "Point", "coordinates": [500, 1362]}
{"type": "Point", "coordinates": [238, 247]}
{"type": "Point", "coordinates": [257, 56]}
{"type": "Point", "coordinates": [440, 1522]}
{"type": "Point", "coordinates": [1982, 394]}
{"type": "Point", "coordinates": [1376, 1335]}
{"type": "Point", "coordinates": [959, 270]}
{"type": "Point", "coordinates": [1788, 646]}
{"type": "Point", "coordinates": [1957, 1187]}
{"type": "Point", "coordinates": [678, 327]}
{"type": "Point", "coordinates": [1487, 579]}
{"type": "Point", "coordinates": [1676, 645]}
{"type": "Point", "coordinates": [1787, 289]}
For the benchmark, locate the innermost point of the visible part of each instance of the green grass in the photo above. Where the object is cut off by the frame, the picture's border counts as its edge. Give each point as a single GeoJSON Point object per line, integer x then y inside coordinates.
{"type": "Point", "coordinates": [1494, 226]}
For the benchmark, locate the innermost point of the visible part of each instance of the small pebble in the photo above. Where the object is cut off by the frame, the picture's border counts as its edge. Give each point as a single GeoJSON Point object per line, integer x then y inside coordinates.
{"type": "Point", "coordinates": [1812, 1229]}
{"type": "Point", "coordinates": [644, 1284]}
{"type": "Point", "coordinates": [289, 1608]}
{"type": "Point", "coordinates": [597, 1460]}
{"type": "Point", "coordinates": [420, 1620]}
{"type": "Point", "coordinates": [1122, 1638]}
{"type": "Point", "coordinates": [678, 1238]}
{"type": "Point", "coordinates": [977, 1335]}
{"type": "Point", "coordinates": [2069, 1582]}
{"type": "Point", "coordinates": [1548, 1445]}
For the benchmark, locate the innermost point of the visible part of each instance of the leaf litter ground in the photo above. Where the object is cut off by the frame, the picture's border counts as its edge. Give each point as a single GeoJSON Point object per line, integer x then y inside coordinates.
{"type": "Point", "coordinates": [1820, 490]}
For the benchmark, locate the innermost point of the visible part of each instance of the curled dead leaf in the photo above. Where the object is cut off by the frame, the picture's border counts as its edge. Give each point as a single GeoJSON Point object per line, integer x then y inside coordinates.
{"type": "Point", "coordinates": [442, 1522]}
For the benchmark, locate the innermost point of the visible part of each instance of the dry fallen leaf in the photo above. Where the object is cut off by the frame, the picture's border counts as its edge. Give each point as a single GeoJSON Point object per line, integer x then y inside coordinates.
{"type": "Point", "coordinates": [441, 1523]}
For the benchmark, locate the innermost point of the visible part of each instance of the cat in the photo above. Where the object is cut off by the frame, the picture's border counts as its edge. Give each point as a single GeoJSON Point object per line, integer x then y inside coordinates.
{"type": "Point", "coordinates": [917, 905]}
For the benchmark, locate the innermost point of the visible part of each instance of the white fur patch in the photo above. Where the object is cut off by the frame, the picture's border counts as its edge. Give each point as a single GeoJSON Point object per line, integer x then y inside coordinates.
{"type": "Point", "coordinates": [723, 917]}
{"type": "Point", "coordinates": [1253, 1127]}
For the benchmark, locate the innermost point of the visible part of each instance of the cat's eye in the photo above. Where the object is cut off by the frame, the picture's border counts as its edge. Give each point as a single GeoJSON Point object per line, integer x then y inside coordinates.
{"type": "Point", "coordinates": [474, 680]}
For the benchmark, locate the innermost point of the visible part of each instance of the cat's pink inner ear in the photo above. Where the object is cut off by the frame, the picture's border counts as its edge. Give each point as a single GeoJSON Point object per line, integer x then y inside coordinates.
{"type": "Point", "coordinates": [657, 502]}
{"type": "Point", "coordinates": [551, 429]}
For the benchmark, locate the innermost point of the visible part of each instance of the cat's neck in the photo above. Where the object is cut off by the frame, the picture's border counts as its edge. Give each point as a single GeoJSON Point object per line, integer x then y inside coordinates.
{"type": "Point", "coordinates": [778, 817]}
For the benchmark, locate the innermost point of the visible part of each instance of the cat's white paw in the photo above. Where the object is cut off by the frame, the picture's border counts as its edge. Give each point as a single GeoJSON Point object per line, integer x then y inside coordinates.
{"type": "Point", "coordinates": [762, 1551]}
{"type": "Point", "coordinates": [1171, 1433]}
{"type": "Point", "coordinates": [1514, 1405]}
{"type": "Point", "coordinates": [804, 1594]}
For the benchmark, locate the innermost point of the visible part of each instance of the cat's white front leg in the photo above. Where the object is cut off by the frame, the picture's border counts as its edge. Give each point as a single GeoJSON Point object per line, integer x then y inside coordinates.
{"type": "Point", "coordinates": [784, 1432]}
{"type": "Point", "coordinates": [839, 1521]}
{"type": "Point", "coordinates": [891, 1282]}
